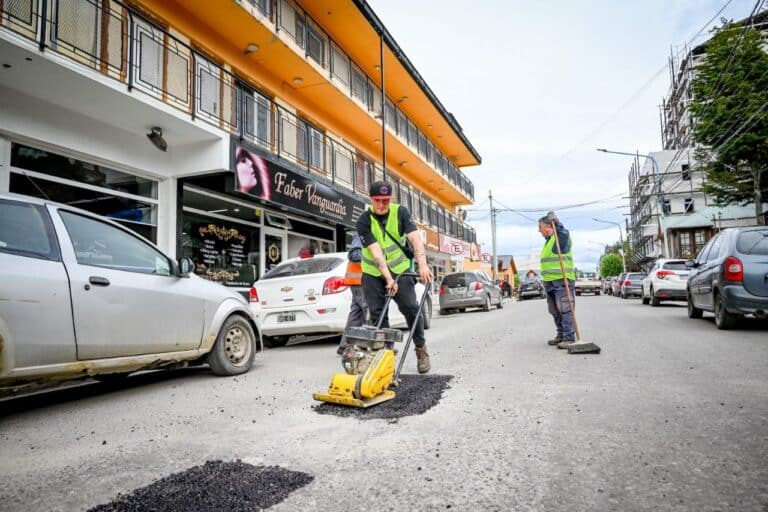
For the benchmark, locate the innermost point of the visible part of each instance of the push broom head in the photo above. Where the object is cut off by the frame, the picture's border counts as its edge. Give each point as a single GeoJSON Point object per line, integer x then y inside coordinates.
{"type": "Point", "coordinates": [583, 347]}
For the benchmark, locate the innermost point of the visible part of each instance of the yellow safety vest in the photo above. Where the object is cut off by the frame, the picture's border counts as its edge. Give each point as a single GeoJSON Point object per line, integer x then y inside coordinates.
{"type": "Point", "coordinates": [396, 259]}
{"type": "Point", "coordinates": [550, 262]}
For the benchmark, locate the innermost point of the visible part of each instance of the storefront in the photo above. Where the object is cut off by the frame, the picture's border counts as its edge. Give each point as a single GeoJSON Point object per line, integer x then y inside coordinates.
{"type": "Point", "coordinates": [240, 224]}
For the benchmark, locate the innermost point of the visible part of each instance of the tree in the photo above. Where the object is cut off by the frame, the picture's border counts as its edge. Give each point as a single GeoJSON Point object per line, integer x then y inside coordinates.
{"type": "Point", "coordinates": [611, 265]}
{"type": "Point", "coordinates": [730, 111]}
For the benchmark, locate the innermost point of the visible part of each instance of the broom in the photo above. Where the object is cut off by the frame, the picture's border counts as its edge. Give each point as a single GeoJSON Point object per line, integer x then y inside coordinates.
{"type": "Point", "coordinates": [579, 346]}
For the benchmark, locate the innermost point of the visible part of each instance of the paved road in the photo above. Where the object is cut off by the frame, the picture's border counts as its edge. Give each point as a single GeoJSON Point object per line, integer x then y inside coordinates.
{"type": "Point", "coordinates": [673, 415]}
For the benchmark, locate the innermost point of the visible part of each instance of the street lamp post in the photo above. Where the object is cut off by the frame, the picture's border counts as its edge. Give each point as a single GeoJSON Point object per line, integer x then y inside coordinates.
{"type": "Point", "coordinates": [621, 241]}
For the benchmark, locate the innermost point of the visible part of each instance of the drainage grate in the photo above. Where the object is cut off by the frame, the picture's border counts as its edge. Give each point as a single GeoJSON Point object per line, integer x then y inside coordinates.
{"type": "Point", "coordinates": [416, 395]}
{"type": "Point", "coordinates": [217, 485]}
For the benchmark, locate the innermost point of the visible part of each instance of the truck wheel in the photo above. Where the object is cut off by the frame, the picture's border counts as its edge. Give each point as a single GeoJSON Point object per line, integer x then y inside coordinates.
{"type": "Point", "coordinates": [235, 348]}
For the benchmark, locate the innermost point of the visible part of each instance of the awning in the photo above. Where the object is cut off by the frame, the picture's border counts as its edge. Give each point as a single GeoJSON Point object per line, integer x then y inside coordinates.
{"type": "Point", "coordinates": [706, 217]}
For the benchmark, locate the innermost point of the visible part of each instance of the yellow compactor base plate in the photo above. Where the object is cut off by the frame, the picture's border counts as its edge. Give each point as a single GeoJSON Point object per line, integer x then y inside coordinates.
{"type": "Point", "coordinates": [355, 402]}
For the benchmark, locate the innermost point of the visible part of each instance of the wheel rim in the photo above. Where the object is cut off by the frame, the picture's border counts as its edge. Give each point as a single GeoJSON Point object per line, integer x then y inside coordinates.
{"type": "Point", "coordinates": [237, 346]}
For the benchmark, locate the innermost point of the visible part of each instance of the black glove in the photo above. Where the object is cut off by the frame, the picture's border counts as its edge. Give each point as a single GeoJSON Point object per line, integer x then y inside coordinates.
{"type": "Point", "coordinates": [551, 217]}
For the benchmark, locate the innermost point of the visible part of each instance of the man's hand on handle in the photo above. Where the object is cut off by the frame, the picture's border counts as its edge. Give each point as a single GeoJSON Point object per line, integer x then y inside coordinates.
{"type": "Point", "coordinates": [425, 273]}
{"type": "Point", "coordinates": [391, 286]}
{"type": "Point", "coordinates": [551, 217]}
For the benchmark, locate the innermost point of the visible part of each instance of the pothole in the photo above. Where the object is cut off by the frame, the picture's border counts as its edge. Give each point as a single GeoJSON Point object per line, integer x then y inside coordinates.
{"type": "Point", "coordinates": [216, 485]}
{"type": "Point", "coordinates": [415, 395]}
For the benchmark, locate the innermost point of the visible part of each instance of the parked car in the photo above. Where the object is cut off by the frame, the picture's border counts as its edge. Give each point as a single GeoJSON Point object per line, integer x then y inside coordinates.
{"type": "Point", "coordinates": [307, 296]}
{"type": "Point", "coordinates": [730, 276]}
{"type": "Point", "coordinates": [462, 290]}
{"type": "Point", "coordinates": [666, 280]}
{"type": "Point", "coordinates": [81, 295]}
{"type": "Point", "coordinates": [608, 285]}
{"type": "Point", "coordinates": [587, 285]}
{"type": "Point", "coordinates": [616, 284]}
{"type": "Point", "coordinates": [531, 288]}
{"type": "Point", "coordinates": [632, 285]}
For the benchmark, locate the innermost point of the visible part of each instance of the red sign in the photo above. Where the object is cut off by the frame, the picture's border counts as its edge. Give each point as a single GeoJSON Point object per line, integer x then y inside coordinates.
{"type": "Point", "coordinates": [485, 257]}
{"type": "Point", "coordinates": [457, 248]}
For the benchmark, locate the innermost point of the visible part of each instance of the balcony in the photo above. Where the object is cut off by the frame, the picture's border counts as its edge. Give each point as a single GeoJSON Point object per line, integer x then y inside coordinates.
{"type": "Point", "coordinates": [119, 43]}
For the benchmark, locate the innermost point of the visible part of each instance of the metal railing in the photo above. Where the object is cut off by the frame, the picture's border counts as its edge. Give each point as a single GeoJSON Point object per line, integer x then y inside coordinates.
{"type": "Point", "coordinates": [116, 41]}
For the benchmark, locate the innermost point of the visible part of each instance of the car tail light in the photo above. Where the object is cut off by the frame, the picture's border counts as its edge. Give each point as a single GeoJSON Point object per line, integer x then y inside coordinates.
{"type": "Point", "coordinates": [478, 285]}
{"type": "Point", "coordinates": [253, 296]}
{"type": "Point", "coordinates": [334, 285]}
{"type": "Point", "coordinates": [661, 274]}
{"type": "Point", "coordinates": [443, 291]}
{"type": "Point", "coordinates": [627, 283]}
{"type": "Point", "coordinates": [734, 270]}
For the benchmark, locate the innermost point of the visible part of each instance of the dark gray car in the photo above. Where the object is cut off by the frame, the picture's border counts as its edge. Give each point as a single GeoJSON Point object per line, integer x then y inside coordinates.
{"type": "Point", "coordinates": [531, 288]}
{"type": "Point", "coordinates": [462, 290]}
{"type": "Point", "coordinates": [730, 276]}
{"type": "Point", "coordinates": [632, 285]}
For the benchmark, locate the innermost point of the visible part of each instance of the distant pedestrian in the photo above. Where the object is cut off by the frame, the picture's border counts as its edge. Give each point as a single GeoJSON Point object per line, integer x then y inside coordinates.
{"type": "Point", "coordinates": [552, 275]}
{"type": "Point", "coordinates": [354, 278]}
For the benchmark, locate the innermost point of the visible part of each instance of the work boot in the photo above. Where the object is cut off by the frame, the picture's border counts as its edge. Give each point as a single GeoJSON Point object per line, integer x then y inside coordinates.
{"type": "Point", "coordinates": [554, 341]}
{"type": "Point", "coordinates": [564, 344]}
{"type": "Point", "coordinates": [422, 359]}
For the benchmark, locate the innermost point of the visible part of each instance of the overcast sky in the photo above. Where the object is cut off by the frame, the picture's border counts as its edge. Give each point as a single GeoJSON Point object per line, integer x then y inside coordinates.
{"type": "Point", "coordinates": [537, 86]}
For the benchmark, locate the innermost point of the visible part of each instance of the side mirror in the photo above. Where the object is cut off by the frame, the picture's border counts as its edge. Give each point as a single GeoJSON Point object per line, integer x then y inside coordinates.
{"type": "Point", "coordinates": [690, 264]}
{"type": "Point", "coordinates": [186, 266]}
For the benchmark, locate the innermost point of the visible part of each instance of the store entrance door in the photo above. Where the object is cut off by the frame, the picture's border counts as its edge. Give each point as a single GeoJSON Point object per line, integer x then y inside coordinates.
{"type": "Point", "coordinates": [274, 248]}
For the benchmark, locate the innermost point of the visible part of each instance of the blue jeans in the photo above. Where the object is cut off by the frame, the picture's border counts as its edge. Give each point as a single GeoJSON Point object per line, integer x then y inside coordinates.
{"type": "Point", "coordinates": [560, 309]}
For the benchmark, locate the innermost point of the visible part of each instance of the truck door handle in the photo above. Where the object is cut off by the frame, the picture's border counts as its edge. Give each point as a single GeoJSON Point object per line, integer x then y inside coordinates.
{"type": "Point", "coordinates": [98, 281]}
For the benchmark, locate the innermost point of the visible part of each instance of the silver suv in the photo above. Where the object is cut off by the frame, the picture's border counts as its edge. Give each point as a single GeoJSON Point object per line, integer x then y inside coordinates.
{"type": "Point", "coordinates": [462, 290]}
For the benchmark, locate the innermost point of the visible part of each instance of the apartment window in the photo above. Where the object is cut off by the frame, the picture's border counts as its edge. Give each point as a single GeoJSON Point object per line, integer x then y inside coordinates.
{"type": "Point", "coordinates": [413, 136]}
{"type": "Point", "coordinates": [666, 206]}
{"type": "Point", "coordinates": [257, 114]}
{"type": "Point", "coordinates": [359, 85]}
{"type": "Point", "coordinates": [402, 123]}
{"type": "Point", "coordinates": [390, 117]}
{"type": "Point", "coordinates": [688, 205]}
{"type": "Point", "coordinates": [208, 77]}
{"type": "Point", "coordinates": [315, 44]}
{"type": "Point", "coordinates": [430, 152]}
{"type": "Point", "coordinates": [149, 49]}
{"type": "Point", "coordinates": [686, 172]}
{"type": "Point", "coordinates": [363, 168]}
{"type": "Point", "coordinates": [342, 166]}
{"type": "Point", "coordinates": [422, 144]}
{"type": "Point", "coordinates": [339, 65]}
{"type": "Point", "coordinates": [264, 6]}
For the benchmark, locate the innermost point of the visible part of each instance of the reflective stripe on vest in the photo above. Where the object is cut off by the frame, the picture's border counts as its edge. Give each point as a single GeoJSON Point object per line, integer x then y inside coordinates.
{"type": "Point", "coordinates": [396, 259]}
{"type": "Point", "coordinates": [550, 263]}
{"type": "Point", "coordinates": [354, 275]}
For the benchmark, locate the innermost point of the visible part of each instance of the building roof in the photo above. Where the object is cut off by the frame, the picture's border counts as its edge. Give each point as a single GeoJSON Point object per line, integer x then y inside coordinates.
{"type": "Point", "coordinates": [707, 216]}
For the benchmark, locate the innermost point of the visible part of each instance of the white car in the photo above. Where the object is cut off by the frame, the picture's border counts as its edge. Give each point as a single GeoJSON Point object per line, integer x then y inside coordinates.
{"type": "Point", "coordinates": [665, 281]}
{"type": "Point", "coordinates": [81, 295]}
{"type": "Point", "coordinates": [307, 296]}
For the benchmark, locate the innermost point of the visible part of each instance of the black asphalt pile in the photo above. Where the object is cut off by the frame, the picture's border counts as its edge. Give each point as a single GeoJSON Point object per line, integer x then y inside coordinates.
{"type": "Point", "coordinates": [416, 395]}
{"type": "Point", "coordinates": [217, 485]}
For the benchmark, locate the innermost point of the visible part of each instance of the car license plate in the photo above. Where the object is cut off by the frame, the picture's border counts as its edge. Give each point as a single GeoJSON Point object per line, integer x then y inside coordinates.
{"type": "Point", "coordinates": [459, 290]}
{"type": "Point", "coordinates": [286, 317]}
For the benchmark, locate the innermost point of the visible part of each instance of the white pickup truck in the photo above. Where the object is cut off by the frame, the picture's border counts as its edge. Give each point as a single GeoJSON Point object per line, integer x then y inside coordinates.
{"type": "Point", "coordinates": [587, 283]}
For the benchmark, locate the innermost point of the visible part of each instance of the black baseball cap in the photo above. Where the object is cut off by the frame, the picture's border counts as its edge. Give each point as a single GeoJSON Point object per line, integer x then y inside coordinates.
{"type": "Point", "coordinates": [380, 190]}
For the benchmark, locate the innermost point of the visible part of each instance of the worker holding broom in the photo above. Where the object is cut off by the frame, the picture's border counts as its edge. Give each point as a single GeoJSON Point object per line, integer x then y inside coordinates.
{"type": "Point", "coordinates": [557, 246]}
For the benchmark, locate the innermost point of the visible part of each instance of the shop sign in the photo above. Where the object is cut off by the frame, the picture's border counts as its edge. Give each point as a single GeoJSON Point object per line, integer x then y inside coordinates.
{"type": "Point", "coordinates": [221, 254]}
{"type": "Point", "coordinates": [258, 177]}
{"type": "Point", "coordinates": [485, 257]}
{"type": "Point", "coordinates": [454, 246]}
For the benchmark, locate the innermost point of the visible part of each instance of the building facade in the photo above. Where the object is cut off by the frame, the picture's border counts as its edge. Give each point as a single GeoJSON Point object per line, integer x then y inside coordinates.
{"type": "Point", "coordinates": [238, 133]}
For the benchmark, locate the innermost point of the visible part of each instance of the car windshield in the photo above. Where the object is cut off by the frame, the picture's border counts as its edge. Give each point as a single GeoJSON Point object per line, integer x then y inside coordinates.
{"type": "Point", "coordinates": [753, 242]}
{"type": "Point", "coordinates": [674, 265]}
{"type": "Point", "coordinates": [303, 267]}
{"type": "Point", "coordinates": [635, 277]}
{"type": "Point", "coordinates": [530, 280]}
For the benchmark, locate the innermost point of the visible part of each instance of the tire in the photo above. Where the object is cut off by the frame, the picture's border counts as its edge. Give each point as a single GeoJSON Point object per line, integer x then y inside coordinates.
{"type": "Point", "coordinates": [274, 341]}
{"type": "Point", "coordinates": [655, 302]}
{"type": "Point", "coordinates": [444, 311]}
{"type": "Point", "coordinates": [597, 294]}
{"type": "Point", "coordinates": [426, 314]}
{"type": "Point", "coordinates": [235, 347]}
{"type": "Point", "coordinates": [500, 305]}
{"type": "Point", "coordinates": [723, 319]}
{"type": "Point", "coordinates": [487, 305]}
{"type": "Point", "coordinates": [693, 311]}
{"type": "Point", "coordinates": [645, 299]}
{"type": "Point", "coordinates": [461, 310]}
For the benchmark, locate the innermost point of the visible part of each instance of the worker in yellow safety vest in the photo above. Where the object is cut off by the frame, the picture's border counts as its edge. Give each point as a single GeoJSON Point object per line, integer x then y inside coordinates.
{"type": "Point", "coordinates": [385, 229]}
{"type": "Point", "coordinates": [354, 278]}
{"type": "Point", "coordinates": [554, 280]}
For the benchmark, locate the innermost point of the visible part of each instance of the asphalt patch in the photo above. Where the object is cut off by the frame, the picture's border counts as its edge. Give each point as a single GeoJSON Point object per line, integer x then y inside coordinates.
{"type": "Point", "coordinates": [217, 485]}
{"type": "Point", "coordinates": [416, 395]}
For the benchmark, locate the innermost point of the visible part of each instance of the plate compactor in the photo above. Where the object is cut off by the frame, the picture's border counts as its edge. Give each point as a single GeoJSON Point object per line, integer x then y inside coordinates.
{"type": "Point", "coordinates": [369, 362]}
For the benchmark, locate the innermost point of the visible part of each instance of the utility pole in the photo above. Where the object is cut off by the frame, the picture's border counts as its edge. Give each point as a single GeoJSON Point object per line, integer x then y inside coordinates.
{"type": "Point", "coordinates": [495, 264]}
